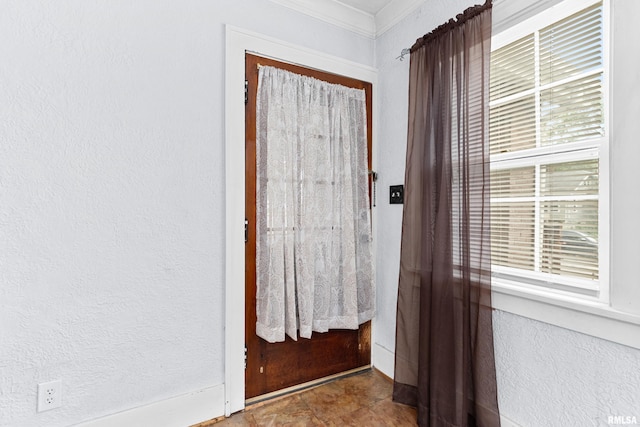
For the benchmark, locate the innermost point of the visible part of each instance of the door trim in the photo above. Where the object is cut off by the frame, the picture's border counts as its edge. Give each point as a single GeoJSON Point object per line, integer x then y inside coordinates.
{"type": "Point", "coordinates": [239, 41]}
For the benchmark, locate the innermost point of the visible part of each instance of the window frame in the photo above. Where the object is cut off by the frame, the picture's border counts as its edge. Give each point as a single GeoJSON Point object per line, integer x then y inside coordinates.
{"type": "Point", "coordinates": [585, 313]}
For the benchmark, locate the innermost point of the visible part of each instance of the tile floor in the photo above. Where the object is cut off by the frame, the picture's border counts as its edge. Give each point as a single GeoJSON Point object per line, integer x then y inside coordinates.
{"type": "Point", "coordinates": [363, 399]}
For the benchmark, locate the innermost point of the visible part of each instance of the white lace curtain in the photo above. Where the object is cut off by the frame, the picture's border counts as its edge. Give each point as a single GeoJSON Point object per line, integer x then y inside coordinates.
{"type": "Point", "coordinates": [314, 264]}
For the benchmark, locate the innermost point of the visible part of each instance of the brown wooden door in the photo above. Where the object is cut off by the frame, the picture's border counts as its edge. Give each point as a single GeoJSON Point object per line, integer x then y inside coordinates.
{"type": "Point", "coordinates": [272, 367]}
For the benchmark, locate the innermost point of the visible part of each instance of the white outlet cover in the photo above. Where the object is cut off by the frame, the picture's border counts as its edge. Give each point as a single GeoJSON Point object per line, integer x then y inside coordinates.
{"type": "Point", "coordinates": [49, 395]}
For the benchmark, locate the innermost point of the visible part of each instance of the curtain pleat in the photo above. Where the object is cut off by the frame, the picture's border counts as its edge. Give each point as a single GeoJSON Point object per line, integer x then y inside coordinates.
{"type": "Point", "coordinates": [314, 247]}
{"type": "Point", "coordinates": [444, 342]}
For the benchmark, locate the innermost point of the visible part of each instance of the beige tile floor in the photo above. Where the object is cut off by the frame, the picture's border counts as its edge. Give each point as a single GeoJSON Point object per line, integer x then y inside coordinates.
{"type": "Point", "coordinates": [363, 399]}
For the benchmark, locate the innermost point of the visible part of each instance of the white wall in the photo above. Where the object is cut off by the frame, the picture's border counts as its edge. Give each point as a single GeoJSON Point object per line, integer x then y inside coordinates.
{"type": "Point", "coordinates": [112, 222]}
{"type": "Point", "coordinates": [111, 190]}
{"type": "Point", "coordinates": [547, 376]}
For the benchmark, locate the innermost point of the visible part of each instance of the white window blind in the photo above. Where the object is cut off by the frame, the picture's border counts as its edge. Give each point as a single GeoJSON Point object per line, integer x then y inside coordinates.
{"type": "Point", "coordinates": [546, 126]}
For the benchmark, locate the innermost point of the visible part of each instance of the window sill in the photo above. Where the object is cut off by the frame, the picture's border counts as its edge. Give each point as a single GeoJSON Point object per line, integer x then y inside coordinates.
{"type": "Point", "coordinates": [587, 317]}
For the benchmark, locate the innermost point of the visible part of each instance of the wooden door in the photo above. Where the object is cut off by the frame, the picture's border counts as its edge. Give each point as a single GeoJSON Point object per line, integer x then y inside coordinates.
{"type": "Point", "coordinates": [271, 367]}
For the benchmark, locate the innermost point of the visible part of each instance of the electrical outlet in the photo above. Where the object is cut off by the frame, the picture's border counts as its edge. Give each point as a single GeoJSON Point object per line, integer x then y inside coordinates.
{"type": "Point", "coordinates": [49, 395]}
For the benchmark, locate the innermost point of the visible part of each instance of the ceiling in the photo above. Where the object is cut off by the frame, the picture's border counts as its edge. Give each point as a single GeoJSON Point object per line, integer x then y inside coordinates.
{"type": "Point", "coordinates": [367, 17]}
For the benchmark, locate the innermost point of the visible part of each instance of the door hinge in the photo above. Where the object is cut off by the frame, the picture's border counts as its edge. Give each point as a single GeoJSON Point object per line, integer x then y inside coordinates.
{"type": "Point", "coordinates": [245, 357]}
{"type": "Point", "coordinates": [246, 92]}
{"type": "Point", "coordinates": [246, 230]}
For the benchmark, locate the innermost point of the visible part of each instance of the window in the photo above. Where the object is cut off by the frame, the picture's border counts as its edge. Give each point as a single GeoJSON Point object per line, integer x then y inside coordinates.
{"type": "Point", "coordinates": [547, 128]}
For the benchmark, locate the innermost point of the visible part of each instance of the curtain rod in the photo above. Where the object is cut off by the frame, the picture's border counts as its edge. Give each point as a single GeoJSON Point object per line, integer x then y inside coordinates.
{"type": "Point", "coordinates": [403, 52]}
{"type": "Point", "coordinates": [460, 18]}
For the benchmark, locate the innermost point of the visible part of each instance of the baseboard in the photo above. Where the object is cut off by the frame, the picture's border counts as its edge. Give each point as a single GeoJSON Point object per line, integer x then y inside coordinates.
{"type": "Point", "coordinates": [181, 411]}
{"type": "Point", "coordinates": [382, 359]}
{"type": "Point", "coordinates": [506, 422]}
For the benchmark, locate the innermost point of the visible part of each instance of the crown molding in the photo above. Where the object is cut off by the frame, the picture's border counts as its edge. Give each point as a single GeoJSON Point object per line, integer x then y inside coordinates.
{"type": "Point", "coordinates": [336, 13]}
{"type": "Point", "coordinates": [350, 18]}
{"type": "Point", "coordinates": [394, 12]}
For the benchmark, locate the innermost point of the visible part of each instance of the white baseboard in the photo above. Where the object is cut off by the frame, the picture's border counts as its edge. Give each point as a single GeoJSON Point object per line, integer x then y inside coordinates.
{"type": "Point", "coordinates": [383, 359]}
{"type": "Point", "coordinates": [506, 422]}
{"type": "Point", "coordinates": [180, 411]}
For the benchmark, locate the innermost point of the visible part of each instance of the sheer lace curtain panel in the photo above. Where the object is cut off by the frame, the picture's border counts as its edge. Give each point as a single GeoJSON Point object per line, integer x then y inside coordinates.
{"type": "Point", "coordinates": [444, 341]}
{"type": "Point", "coordinates": [314, 255]}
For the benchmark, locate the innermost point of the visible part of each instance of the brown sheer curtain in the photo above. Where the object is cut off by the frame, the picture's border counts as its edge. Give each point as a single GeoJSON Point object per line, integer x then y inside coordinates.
{"type": "Point", "coordinates": [444, 339]}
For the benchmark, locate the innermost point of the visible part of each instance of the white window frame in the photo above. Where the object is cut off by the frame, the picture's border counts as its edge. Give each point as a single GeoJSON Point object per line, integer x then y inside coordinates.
{"type": "Point", "coordinates": [593, 313]}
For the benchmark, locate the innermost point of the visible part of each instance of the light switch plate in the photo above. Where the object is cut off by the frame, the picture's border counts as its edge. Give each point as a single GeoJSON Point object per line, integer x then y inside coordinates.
{"type": "Point", "coordinates": [396, 194]}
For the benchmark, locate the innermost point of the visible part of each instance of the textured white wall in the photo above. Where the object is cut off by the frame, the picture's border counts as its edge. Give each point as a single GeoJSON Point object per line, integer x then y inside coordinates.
{"type": "Point", "coordinates": [111, 221]}
{"type": "Point", "coordinates": [111, 189]}
{"type": "Point", "coordinates": [547, 376]}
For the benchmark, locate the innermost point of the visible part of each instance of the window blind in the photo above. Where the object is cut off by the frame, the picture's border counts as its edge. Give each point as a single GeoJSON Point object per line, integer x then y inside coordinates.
{"type": "Point", "coordinates": [546, 124]}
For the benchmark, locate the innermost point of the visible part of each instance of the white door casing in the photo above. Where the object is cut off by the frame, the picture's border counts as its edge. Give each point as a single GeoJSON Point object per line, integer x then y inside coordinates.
{"type": "Point", "coordinates": [238, 42]}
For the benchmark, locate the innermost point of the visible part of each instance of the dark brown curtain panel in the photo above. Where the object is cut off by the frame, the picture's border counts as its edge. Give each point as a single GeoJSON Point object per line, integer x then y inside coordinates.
{"type": "Point", "coordinates": [444, 340]}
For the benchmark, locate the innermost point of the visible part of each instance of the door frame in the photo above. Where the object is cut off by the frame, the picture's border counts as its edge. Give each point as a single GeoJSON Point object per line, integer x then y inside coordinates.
{"type": "Point", "coordinates": [239, 41]}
